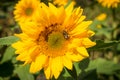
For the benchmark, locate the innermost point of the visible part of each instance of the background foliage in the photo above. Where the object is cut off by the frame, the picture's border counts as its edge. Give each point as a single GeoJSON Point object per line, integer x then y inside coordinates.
{"type": "Point", "coordinates": [104, 60]}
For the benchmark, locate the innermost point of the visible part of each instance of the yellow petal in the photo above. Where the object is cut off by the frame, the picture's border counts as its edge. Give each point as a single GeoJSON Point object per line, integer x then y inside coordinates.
{"type": "Point", "coordinates": [47, 72]}
{"type": "Point", "coordinates": [17, 45]}
{"type": "Point", "coordinates": [34, 52]}
{"type": "Point", "coordinates": [38, 63]}
{"type": "Point", "coordinates": [90, 33]}
{"type": "Point", "coordinates": [22, 46]}
{"type": "Point", "coordinates": [75, 57]}
{"type": "Point", "coordinates": [31, 29]}
{"type": "Point", "coordinates": [22, 36]}
{"type": "Point", "coordinates": [82, 51]}
{"type": "Point", "coordinates": [75, 43]}
{"type": "Point", "coordinates": [61, 15]}
{"type": "Point", "coordinates": [56, 66]}
{"type": "Point", "coordinates": [88, 43]}
{"type": "Point", "coordinates": [85, 34]}
{"type": "Point", "coordinates": [69, 9]}
{"type": "Point", "coordinates": [53, 9]}
{"type": "Point", "coordinates": [81, 19]}
{"type": "Point", "coordinates": [81, 28]}
{"type": "Point", "coordinates": [23, 56]}
{"type": "Point", "coordinates": [67, 62]}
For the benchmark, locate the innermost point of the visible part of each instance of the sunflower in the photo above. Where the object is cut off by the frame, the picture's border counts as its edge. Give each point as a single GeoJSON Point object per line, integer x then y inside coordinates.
{"type": "Point", "coordinates": [55, 39]}
{"type": "Point", "coordinates": [62, 2]}
{"type": "Point", "coordinates": [109, 3]}
{"type": "Point", "coordinates": [26, 9]}
{"type": "Point", "coordinates": [101, 17]}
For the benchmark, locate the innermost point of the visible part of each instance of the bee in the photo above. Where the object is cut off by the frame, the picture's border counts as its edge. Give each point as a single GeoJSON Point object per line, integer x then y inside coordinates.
{"type": "Point", "coordinates": [65, 34]}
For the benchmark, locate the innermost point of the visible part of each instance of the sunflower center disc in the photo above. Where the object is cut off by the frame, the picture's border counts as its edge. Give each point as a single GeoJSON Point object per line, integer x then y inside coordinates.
{"type": "Point", "coordinates": [28, 11]}
{"type": "Point", "coordinates": [55, 40]}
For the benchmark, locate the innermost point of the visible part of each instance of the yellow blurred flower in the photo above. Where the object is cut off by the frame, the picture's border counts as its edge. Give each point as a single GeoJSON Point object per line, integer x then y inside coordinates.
{"type": "Point", "coordinates": [55, 39]}
{"type": "Point", "coordinates": [62, 2]}
{"type": "Point", "coordinates": [101, 17]}
{"type": "Point", "coordinates": [109, 3]}
{"type": "Point", "coordinates": [99, 26]}
{"type": "Point", "coordinates": [26, 9]}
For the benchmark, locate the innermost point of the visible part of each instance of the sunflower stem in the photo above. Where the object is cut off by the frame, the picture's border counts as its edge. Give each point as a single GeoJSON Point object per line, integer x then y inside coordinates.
{"type": "Point", "coordinates": [113, 14]}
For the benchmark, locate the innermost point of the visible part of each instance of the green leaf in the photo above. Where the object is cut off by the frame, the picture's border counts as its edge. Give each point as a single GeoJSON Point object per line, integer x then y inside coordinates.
{"type": "Point", "coordinates": [104, 31]}
{"type": "Point", "coordinates": [23, 73]}
{"type": "Point", "coordinates": [6, 69]}
{"type": "Point", "coordinates": [78, 70]}
{"type": "Point", "coordinates": [102, 45]}
{"type": "Point", "coordinates": [118, 47]}
{"type": "Point", "coordinates": [9, 53]}
{"type": "Point", "coordinates": [65, 75]}
{"type": "Point", "coordinates": [89, 75]}
{"type": "Point", "coordinates": [8, 40]}
{"type": "Point", "coordinates": [84, 63]}
{"type": "Point", "coordinates": [118, 75]}
{"type": "Point", "coordinates": [72, 72]}
{"type": "Point", "coordinates": [1, 78]}
{"type": "Point", "coordinates": [103, 66]}
{"type": "Point", "coordinates": [93, 26]}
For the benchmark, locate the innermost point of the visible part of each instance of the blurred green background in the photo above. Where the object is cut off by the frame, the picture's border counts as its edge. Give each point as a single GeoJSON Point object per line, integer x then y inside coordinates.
{"type": "Point", "coordinates": [104, 60]}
